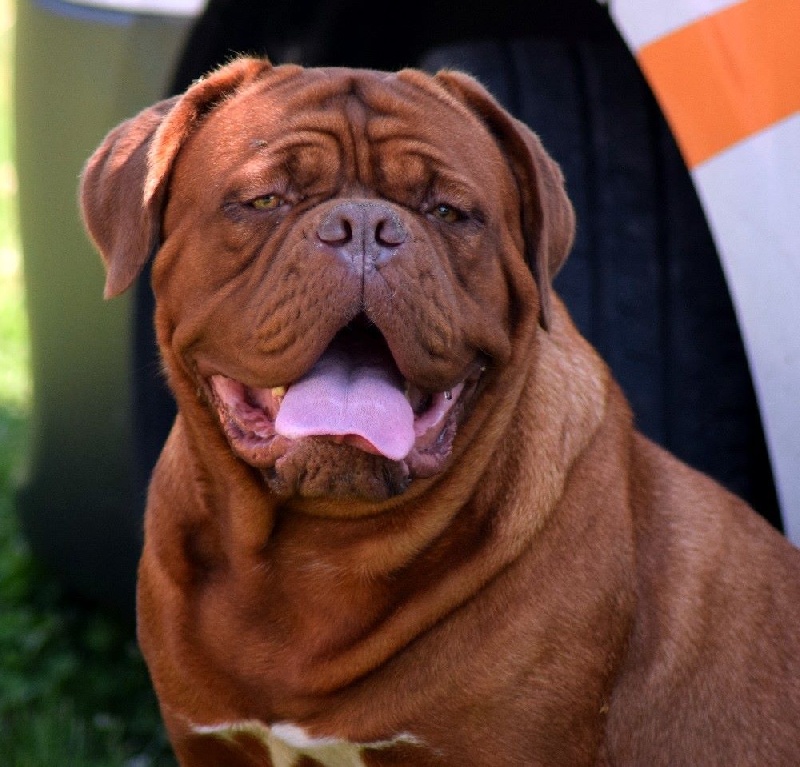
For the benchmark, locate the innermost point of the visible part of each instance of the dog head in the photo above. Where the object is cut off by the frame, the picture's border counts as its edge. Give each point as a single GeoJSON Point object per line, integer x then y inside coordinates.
{"type": "Point", "coordinates": [343, 260]}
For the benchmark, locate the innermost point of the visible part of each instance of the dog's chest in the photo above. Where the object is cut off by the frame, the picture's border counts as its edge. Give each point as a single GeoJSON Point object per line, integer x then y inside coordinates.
{"type": "Point", "coordinates": [287, 744]}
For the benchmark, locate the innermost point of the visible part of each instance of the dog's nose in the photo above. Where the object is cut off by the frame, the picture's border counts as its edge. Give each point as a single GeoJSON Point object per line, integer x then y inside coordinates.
{"type": "Point", "coordinates": [364, 232]}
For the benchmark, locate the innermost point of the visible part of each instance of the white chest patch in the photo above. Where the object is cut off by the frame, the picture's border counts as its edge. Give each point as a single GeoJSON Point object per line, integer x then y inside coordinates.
{"type": "Point", "coordinates": [287, 743]}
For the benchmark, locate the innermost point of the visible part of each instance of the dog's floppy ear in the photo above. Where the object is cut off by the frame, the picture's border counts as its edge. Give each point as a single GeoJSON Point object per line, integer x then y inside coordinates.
{"type": "Point", "coordinates": [548, 219]}
{"type": "Point", "coordinates": [124, 182]}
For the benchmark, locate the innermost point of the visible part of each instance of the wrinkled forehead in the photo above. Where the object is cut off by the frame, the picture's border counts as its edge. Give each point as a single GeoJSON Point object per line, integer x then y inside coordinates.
{"type": "Point", "coordinates": [358, 115]}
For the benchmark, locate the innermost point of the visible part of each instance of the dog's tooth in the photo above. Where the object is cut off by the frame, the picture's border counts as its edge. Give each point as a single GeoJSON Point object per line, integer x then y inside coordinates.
{"type": "Point", "coordinates": [448, 395]}
{"type": "Point", "coordinates": [278, 391]}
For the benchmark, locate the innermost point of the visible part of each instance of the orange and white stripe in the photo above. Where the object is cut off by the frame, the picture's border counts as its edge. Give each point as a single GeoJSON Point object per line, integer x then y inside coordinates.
{"type": "Point", "coordinates": [727, 76]}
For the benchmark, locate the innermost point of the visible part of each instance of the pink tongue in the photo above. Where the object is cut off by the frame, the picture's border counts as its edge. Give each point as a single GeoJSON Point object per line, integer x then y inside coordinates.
{"type": "Point", "coordinates": [347, 394]}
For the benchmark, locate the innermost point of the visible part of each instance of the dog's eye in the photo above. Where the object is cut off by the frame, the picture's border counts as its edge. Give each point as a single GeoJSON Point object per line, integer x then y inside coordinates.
{"type": "Point", "coordinates": [267, 202]}
{"type": "Point", "coordinates": [447, 213]}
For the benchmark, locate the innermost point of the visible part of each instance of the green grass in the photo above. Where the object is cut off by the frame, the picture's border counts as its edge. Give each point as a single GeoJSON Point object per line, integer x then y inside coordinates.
{"type": "Point", "coordinates": [74, 691]}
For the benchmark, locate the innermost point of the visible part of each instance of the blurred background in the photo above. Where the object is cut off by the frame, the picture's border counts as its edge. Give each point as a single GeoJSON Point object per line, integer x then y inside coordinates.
{"type": "Point", "coordinates": [73, 688]}
{"type": "Point", "coordinates": [83, 409]}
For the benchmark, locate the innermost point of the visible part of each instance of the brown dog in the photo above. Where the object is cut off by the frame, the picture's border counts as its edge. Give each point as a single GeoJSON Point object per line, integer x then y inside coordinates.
{"type": "Point", "coordinates": [403, 517]}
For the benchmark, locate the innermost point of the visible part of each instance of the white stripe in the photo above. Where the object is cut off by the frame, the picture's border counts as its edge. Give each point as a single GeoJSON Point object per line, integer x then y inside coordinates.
{"type": "Point", "coordinates": [751, 195]}
{"type": "Point", "coordinates": [297, 738]}
{"type": "Point", "coordinates": [158, 7]}
{"type": "Point", "coordinates": [642, 21]}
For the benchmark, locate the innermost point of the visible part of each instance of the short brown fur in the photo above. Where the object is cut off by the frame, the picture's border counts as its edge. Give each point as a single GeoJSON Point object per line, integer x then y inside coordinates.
{"type": "Point", "coordinates": [562, 592]}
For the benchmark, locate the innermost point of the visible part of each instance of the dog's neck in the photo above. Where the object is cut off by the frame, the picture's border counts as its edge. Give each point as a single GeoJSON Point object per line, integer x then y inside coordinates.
{"type": "Point", "coordinates": [345, 594]}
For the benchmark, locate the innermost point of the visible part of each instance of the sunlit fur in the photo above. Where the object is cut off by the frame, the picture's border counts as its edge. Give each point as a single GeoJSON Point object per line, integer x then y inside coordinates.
{"type": "Point", "coordinates": [561, 593]}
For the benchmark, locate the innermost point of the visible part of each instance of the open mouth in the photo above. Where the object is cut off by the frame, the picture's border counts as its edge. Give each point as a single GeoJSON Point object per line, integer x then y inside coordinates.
{"type": "Point", "coordinates": [354, 395]}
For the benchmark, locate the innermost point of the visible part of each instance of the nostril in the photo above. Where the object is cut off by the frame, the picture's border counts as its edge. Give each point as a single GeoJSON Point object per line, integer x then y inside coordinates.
{"type": "Point", "coordinates": [390, 232]}
{"type": "Point", "coordinates": [335, 230]}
